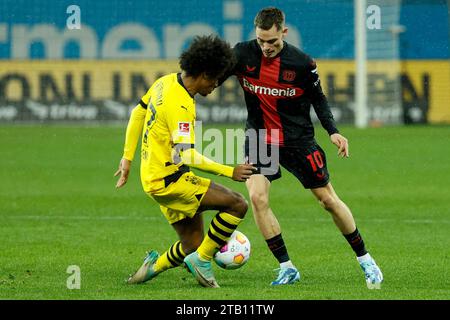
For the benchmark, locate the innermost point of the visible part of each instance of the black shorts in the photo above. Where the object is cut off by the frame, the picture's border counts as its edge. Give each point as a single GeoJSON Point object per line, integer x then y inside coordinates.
{"type": "Point", "coordinates": [307, 162]}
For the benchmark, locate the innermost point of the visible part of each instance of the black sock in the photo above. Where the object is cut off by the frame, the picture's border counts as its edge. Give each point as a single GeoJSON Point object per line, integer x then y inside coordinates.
{"type": "Point", "coordinates": [276, 245]}
{"type": "Point", "coordinates": [356, 242]}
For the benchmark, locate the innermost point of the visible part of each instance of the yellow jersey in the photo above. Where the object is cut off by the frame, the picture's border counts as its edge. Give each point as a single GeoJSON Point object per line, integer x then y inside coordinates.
{"type": "Point", "coordinates": [165, 117]}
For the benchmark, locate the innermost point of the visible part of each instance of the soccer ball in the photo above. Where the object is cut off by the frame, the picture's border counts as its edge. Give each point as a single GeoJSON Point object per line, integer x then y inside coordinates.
{"type": "Point", "coordinates": [235, 253]}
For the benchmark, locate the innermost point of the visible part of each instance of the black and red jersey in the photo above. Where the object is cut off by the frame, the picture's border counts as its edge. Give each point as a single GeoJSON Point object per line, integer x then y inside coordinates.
{"type": "Point", "coordinates": [279, 93]}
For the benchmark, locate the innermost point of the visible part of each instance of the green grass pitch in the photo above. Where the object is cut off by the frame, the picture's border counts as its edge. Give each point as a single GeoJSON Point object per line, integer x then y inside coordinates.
{"type": "Point", "coordinates": [59, 207]}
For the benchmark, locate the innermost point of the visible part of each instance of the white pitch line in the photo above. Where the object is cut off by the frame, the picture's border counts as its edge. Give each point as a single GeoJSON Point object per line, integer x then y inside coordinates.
{"type": "Point", "coordinates": [376, 220]}
{"type": "Point", "coordinates": [158, 217]}
{"type": "Point", "coordinates": [79, 218]}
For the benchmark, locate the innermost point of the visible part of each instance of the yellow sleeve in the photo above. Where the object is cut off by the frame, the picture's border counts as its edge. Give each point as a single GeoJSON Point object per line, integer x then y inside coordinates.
{"type": "Point", "coordinates": [196, 160]}
{"type": "Point", "coordinates": [134, 128]}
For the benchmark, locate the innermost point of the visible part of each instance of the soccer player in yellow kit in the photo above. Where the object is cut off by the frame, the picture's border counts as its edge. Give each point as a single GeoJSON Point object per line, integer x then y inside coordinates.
{"type": "Point", "coordinates": [165, 118]}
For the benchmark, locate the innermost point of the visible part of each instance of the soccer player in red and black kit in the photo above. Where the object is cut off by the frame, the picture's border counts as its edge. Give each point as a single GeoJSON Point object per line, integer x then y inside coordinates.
{"type": "Point", "coordinates": [280, 84]}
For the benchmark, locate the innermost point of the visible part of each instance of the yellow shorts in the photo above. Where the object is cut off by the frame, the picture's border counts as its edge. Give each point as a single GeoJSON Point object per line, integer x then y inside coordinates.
{"type": "Point", "coordinates": [182, 198]}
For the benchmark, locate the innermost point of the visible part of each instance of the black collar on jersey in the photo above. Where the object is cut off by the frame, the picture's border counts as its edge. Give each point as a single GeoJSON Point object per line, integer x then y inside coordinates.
{"type": "Point", "coordinates": [285, 44]}
{"type": "Point", "coordinates": [180, 81]}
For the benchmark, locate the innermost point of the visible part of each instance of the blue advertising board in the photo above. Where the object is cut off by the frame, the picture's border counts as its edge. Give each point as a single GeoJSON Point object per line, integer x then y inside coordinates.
{"type": "Point", "coordinates": [155, 29]}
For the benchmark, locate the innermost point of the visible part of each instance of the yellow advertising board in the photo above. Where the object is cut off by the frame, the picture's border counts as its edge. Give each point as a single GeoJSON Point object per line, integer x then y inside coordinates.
{"type": "Point", "coordinates": [423, 84]}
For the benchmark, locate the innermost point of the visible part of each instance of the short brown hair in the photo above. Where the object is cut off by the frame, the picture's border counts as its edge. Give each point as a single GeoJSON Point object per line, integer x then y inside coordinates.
{"type": "Point", "coordinates": [268, 17]}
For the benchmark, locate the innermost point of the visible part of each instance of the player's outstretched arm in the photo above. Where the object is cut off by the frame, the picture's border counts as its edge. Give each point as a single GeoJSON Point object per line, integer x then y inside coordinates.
{"type": "Point", "coordinates": [342, 143]}
{"type": "Point", "coordinates": [124, 170]}
{"type": "Point", "coordinates": [196, 160]}
{"type": "Point", "coordinates": [134, 129]}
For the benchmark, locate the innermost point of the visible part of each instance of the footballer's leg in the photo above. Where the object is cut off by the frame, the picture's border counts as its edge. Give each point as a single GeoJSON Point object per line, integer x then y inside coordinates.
{"type": "Point", "coordinates": [345, 222]}
{"type": "Point", "coordinates": [258, 187]}
{"type": "Point", "coordinates": [190, 233]}
{"type": "Point", "coordinates": [266, 158]}
{"type": "Point", "coordinates": [179, 203]}
{"type": "Point", "coordinates": [232, 208]}
{"type": "Point", "coordinates": [340, 213]}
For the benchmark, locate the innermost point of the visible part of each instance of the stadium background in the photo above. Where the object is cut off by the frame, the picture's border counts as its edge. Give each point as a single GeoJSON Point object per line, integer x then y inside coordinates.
{"type": "Point", "coordinates": [49, 72]}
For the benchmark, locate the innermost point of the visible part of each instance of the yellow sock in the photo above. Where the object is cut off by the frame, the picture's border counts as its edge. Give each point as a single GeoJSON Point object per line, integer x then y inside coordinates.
{"type": "Point", "coordinates": [170, 259]}
{"type": "Point", "coordinates": [220, 230]}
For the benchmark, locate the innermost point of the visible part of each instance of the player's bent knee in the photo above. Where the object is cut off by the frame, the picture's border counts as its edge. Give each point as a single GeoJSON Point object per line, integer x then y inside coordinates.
{"type": "Point", "coordinates": [329, 203]}
{"type": "Point", "coordinates": [259, 200]}
{"type": "Point", "coordinates": [239, 205]}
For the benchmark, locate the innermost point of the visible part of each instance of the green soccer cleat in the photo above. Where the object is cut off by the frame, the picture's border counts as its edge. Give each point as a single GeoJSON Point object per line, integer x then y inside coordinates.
{"type": "Point", "coordinates": [146, 271]}
{"type": "Point", "coordinates": [201, 270]}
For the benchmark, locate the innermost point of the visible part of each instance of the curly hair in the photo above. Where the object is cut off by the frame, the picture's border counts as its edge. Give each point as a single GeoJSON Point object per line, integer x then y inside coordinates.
{"type": "Point", "coordinates": [207, 54]}
{"type": "Point", "coordinates": [268, 17]}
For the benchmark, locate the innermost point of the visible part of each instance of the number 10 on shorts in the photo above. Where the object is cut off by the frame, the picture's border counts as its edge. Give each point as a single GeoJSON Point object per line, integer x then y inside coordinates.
{"type": "Point", "coordinates": [315, 159]}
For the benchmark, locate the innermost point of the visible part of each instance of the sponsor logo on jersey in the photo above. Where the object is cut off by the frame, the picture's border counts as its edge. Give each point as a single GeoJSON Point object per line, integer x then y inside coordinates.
{"type": "Point", "coordinates": [288, 92]}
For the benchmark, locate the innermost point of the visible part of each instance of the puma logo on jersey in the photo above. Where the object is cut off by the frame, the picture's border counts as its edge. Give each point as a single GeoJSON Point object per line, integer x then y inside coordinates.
{"type": "Point", "coordinates": [320, 175]}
